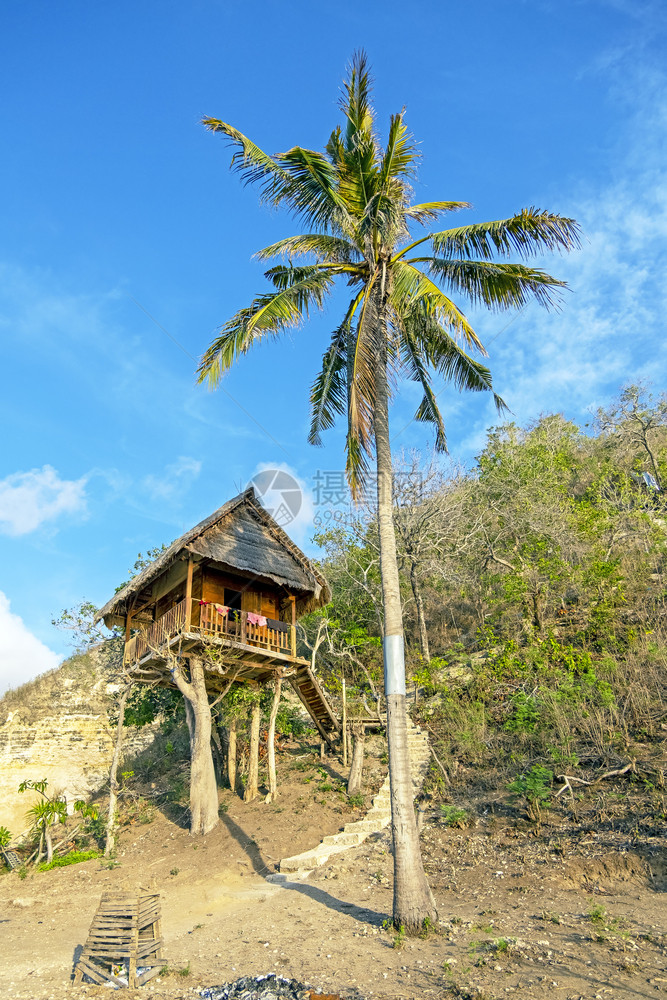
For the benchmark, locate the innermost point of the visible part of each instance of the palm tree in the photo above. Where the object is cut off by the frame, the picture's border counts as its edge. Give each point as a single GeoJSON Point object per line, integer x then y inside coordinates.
{"type": "Point", "coordinates": [354, 199]}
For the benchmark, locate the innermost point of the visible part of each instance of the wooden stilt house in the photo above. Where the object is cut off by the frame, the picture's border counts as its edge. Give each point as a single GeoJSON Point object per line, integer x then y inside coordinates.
{"type": "Point", "coordinates": [232, 587]}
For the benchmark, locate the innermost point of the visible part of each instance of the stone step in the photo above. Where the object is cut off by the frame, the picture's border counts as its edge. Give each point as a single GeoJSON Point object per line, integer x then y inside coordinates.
{"type": "Point", "coordinates": [350, 839]}
{"type": "Point", "coordinates": [368, 825]}
{"type": "Point", "coordinates": [377, 818]}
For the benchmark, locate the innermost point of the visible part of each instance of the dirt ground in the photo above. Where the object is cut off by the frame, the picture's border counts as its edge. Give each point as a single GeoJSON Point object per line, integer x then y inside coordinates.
{"type": "Point", "coordinates": [567, 912]}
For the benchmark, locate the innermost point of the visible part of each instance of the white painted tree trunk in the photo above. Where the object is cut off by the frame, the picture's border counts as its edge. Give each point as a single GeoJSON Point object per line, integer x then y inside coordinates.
{"type": "Point", "coordinates": [413, 901]}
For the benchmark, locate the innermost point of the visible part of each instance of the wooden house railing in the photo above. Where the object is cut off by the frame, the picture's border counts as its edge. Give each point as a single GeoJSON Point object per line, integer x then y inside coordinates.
{"type": "Point", "coordinates": [210, 621]}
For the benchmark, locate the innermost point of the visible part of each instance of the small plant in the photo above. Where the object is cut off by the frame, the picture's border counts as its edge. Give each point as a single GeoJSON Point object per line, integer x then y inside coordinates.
{"type": "Point", "coordinates": [174, 871]}
{"type": "Point", "coordinates": [550, 917]}
{"type": "Point", "coordinates": [22, 872]}
{"type": "Point", "coordinates": [484, 928]}
{"type": "Point", "coordinates": [455, 817]}
{"type": "Point", "coordinates": [427, 928]}
{"type": "Point", "coordinates": [535, 787]}
{"type": "Point", "coordinates": [399, 938]}
{"type": "Point", "coordinates": [185, 971]}
{"type": "Point", "coordinates": [604, 923]}
{"type": "Point", "coordinates": [110, 862]}
{"type": "Point", "coordinates": [597, 915]}
{"type": "Point", "coordinates": [502, 946]}
{"type": "Point", "coordinates": [357, 800]}
{"type": "Point", "coordinates": [5, 837]}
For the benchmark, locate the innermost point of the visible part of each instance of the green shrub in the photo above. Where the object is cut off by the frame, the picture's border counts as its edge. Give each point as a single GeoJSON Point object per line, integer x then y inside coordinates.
{"type": "Point", "coordinates": [73, 858]}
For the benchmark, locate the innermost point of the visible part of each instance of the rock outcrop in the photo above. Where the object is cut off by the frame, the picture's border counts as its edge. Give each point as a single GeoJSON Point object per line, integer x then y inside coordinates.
{"type": "Point", "coordinates": [57, 727]}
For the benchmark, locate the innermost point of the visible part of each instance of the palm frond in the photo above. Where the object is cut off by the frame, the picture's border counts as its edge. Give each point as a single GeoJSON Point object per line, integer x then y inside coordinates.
{"type": "Point", "coordinates": [400, 157]}
{"type": "Point", "coordinates": [254, 165]}
{"type": "Point", "coordinates": [433, 342]}
{"type": "Point", "coordinates": [328, 393]}
{"type": "Point", "coordinates": [357, 465]}
{"type": "Point", "coordinates": [355, 102]}
{"type": "Point", "coordinates": [362, 352]}
{"type": "Point", "coordinates": [311, 189]}
{"type": "Point", "coordinates": [410, 286]}
{"type": "Point", "coordinates": [495, 285]}
{"type": "Point", "coordinates": [428, 410]}
{"type": "Point", "coordinates": [270, 313]}
{"type": "Point", "coordinates": [287, 275]}
{"type": "Point", "coordinates": [323, 246]}
{"type": "Point", "coordinates": [429, 210]}
{"type": "Point", "coordinates": [530, 232]}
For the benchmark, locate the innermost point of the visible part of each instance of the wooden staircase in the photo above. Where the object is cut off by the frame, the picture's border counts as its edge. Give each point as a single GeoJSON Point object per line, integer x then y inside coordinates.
{"type": "Point", "coordinates": [315, 702]}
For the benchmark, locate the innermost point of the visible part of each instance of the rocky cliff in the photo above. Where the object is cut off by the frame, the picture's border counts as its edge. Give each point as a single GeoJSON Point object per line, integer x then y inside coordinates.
{"type": "Point", "coordinates": [57, 727]}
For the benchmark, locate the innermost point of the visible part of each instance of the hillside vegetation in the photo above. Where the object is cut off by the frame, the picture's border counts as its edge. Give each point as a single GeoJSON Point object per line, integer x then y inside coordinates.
{"type": "Point", "coordinates": [534, 595]}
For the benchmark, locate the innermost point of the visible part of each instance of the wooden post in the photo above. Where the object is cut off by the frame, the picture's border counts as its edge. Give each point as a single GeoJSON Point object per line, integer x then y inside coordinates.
{"type": "Point", "coordinates": [188, 594]}
{"type": "Point", "coordinates": [293, 628]}
{"type": "Point", "coordinates": [128, 618]}
{"type": "Point", "coordinates": [344, 723]}
{"type": "Point", "coordinates": [244, 620]}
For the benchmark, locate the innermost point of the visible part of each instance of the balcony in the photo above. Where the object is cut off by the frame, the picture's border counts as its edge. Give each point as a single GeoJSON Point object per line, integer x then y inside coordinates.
{"type": "Point", "coordinates": [207, 625]}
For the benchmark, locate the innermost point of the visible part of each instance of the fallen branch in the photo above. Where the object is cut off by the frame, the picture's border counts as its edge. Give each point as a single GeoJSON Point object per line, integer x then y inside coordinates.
{"type": "Point", "coordinates": [567, 778]}
{"type": "Point", "coordinates": [444, 772]}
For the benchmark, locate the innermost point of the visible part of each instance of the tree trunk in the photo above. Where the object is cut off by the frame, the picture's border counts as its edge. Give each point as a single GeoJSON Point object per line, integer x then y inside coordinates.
{"type": "Point", "coordinates": [113, 774]}
{"type": "Point", "coordinates": [49, 843]}
{"type": "Point", "coordinates": [413, 901]}
{"type": "Point", "coordinates": [251, 788]}
{"type": "Point", "coordinates": [357, 767]}
{"type": "Point", "coordinates": [271, 740]}
{"type": "Point", "coordinates": [203, 787]}
{"type": "Point", "coordinates": [231, 755]}
{"type": "Point", "coordinates": [223, 740]}
{"type": "Point", "coordinates": [421, 618]}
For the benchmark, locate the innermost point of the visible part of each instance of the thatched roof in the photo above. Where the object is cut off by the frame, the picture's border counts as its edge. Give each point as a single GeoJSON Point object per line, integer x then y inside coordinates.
{"type": "Point", "coordinates": [240, 536]}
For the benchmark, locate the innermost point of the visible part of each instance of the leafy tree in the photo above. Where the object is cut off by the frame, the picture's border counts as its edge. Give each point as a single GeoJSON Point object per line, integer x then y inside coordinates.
{"type": "Point", "coordinates": [400, 321]}
{"type": "Point", "coordinates": [637, 418]}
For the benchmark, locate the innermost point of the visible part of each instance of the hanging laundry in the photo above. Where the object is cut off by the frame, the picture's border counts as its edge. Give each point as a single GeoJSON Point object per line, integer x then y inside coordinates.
{"type": "Point", "coordinates": [256, 619]}
{"type": "Point", "coordinates": [222, 609]}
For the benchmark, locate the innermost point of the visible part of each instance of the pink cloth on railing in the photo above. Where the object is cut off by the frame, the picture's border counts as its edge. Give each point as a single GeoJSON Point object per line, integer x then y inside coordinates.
{"type": "Point", "coordinates": [256, 619]}
{"type": "Point", "coordinates": [222, 609]}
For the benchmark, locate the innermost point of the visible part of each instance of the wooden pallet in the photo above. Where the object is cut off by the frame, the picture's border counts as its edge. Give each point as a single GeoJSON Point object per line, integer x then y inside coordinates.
{"type": "Point", "coordinates": [125, 935]}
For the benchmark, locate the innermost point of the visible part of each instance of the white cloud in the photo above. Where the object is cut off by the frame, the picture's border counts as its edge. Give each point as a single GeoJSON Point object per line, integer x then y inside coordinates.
{"type": "Point", "coordinates": [28, 499]}
{"type": "Point", "coordinates": [22, 655]}
{"type": "Point", "coordinates": [174, 479]}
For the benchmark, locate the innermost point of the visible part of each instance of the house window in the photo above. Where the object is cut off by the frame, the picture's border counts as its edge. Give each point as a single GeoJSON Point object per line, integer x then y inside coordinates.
{"type": "Point", "coordinates": [233, 599]}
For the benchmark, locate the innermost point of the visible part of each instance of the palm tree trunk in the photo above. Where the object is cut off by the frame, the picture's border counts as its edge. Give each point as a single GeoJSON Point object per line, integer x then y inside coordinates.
{"type": "Point", "coordinates": [413, 901]}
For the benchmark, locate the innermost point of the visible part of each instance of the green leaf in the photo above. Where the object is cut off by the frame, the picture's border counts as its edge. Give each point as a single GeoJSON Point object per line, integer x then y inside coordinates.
{"type": "Point", "coordinates": [526, 234]}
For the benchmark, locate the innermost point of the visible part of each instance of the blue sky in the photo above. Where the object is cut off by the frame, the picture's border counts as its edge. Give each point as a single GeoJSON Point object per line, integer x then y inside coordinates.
{"type": "Point", "coordinates": [125, 241]}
